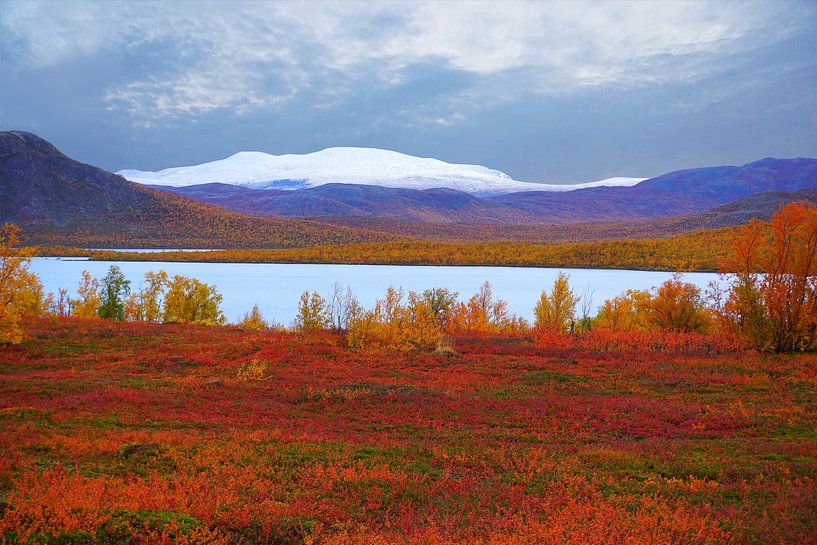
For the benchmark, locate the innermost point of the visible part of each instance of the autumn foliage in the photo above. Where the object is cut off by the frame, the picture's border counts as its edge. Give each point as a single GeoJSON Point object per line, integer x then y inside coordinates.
{"type": "Point", "coordinates": [89, 300]}
{"type": "Point", "coordinates": [697, 251]}
{"type": "Point", "coordinates": [312, 313]}
{"type": "Point", "coordinates": [141, 433]}
{"type": "Point", "coordinates": [770, 302]}
{"type": "Point", "coordinates": [483, 314]}
{"type": "Point", "coordinates": [626, 312]}
{"type": "Point", "coordinates": [254, 320]}
{"type": "Point", "coordinates": [191, 301]}
{"type": "Point", "coordinates": [556, 311]}
{"type": "Point", "coordinates": [773, 297]}
{"type": "Point", "coordinates": [426, 419]}
{"type": "Point", "coordinates": [396, 322]}
{"type": "Point", "coordinates": [20, 290]}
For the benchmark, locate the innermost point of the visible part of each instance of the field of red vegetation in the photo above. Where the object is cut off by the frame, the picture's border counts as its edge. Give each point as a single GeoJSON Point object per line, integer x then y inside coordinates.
{"type": "Point", "coordinates": [142, 433]}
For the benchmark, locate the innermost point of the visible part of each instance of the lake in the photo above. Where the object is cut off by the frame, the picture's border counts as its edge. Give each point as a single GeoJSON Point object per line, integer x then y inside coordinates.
{"type": "Point", "coordinates": [275, 288]}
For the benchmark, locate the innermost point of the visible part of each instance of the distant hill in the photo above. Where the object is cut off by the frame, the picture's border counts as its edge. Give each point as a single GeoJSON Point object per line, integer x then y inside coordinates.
{"type": "Point", "coordinates": [62, 201]}
{"type": "Point", "coordinates": [677, 193]}
{"type": "Point", "coordinates": [349, 200]}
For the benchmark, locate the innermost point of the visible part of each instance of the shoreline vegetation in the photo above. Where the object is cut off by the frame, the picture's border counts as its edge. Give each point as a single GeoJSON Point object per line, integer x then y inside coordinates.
{"type": "Point", "coordinates": [770, 302]}
{"type": "Point", "coordinates": [701, 251]}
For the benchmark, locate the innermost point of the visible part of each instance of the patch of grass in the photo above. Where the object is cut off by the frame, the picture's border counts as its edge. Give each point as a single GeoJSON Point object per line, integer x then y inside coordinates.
{"type": "Point", "coordinates": [543, 376]}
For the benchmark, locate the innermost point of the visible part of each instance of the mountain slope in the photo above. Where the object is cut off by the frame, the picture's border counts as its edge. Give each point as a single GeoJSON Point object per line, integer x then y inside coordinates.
{"type": "Point", "coordinates": [348, 200]}
{"type": "Point", "coordinates": [59, 200]}
{"type": "Point", "coordinates": [676, 193]}
{"type": "Point", "coordinates": [761, 206]}
{"type": "Point", "coordinates": [728, 183]}
{"type": "Point", "coordinates": [361, 166]}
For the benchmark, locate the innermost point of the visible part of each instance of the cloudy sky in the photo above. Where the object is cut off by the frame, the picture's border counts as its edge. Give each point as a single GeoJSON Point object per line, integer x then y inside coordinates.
{"type": "Point", "coordinates": [552, 92]}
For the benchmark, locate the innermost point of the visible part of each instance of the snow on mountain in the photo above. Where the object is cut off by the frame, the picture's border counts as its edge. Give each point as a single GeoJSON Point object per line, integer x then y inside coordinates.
{"type": "Point", "coordinates": [363, 166]}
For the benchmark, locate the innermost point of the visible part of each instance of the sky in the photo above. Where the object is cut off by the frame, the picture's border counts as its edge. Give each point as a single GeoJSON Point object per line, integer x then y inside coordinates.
{"type": "Point", "coordinates": [543, 91]}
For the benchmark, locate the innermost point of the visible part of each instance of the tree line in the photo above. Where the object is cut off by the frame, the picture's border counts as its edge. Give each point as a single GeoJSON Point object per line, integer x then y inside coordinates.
{"type": "Point", "coordinates": [700, 251]}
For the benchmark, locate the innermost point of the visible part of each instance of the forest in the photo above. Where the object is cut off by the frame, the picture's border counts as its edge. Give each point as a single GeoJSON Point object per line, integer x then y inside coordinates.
{"type": "Point", "coordinates": [697, 251]}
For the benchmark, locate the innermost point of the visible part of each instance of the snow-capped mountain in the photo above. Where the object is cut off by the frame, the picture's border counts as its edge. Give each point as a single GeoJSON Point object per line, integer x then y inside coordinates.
{"type": "Point", "coordinates": [361, 166]}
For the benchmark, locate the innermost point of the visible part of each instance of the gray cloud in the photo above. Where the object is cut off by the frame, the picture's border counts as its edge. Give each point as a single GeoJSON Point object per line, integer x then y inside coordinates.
{"type": "Point", "coordinates": [219, 52]}
{"type": "Point", "coordinates": [499, 83]}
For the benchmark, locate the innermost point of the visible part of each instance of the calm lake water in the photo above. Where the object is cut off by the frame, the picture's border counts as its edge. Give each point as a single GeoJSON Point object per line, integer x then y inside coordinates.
{"type": "Point", "coordinates": [275, 288]}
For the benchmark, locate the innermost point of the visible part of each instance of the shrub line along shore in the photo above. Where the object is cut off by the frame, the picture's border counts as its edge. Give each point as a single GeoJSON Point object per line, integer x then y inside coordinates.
{"type": "Point", "coordinates": [703, 251]}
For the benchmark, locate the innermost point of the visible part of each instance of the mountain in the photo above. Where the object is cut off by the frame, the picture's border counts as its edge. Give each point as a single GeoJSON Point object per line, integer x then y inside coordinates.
{"type": "Point", "coordinates": [58, 200]}
{"type": "Point", "coordinates": [360, 166]}
{"type": "Point", "coordinates": [726, 183]}
{"type": "Point", "coordinates": [758, 206]}
{"type": "Point", "coordinates": [674, 194]}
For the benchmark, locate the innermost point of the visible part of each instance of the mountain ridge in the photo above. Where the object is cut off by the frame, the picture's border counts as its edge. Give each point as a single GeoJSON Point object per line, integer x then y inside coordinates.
{"type": "Point", "coordinates": [677, 193]}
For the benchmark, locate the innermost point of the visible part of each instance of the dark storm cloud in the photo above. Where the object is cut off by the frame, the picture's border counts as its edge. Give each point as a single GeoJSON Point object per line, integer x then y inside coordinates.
{"type": "Point", "coordinates": [552, 92]}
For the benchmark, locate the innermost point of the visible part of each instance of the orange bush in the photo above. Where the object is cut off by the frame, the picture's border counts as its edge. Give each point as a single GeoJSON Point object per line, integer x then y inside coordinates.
{"type": "Point", "coordinates": [625, 312]}
{"type": "Point", "coordinates": [482, 314]}
{"type": "Point", "coordinates": [678, 306]}
{"type": "Point", "coordinates": [642, 342]}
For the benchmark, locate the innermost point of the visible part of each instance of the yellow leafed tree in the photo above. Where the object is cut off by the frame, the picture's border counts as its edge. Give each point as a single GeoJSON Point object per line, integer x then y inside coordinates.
{"type": "Point", "coordinates": [20, 290]}
{"type": "Point", "coordinates": [421, 326]}
{"type": "Point", "coordinates": [254, 320]}
{"type": "Point", "coordinates": [556, 311]}
{"type": "Point", "coordinates": [145, 305]}
{"type": "Point", "coordinates": [626, 312]}
{"type": "Point", "coordinates": [190, 301]}
{"type": "Point", "coordinates": [312, 313]}
{"type": "Point", "coordinates": [87, 304]}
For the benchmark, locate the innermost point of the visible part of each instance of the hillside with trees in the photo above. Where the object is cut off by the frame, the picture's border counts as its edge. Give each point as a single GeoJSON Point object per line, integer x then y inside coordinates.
{"type": "Point", "coordinates": [61, 201]}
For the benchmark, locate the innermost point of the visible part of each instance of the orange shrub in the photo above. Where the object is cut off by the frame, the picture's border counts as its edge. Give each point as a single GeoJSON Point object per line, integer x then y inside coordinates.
{"type": "Point", "coordinates": [678, 306]}
{"type": "Point", "coordinates": [625, 312]}
{"type": "Point", "coordinates": [645, 342]}
{"type": "Point", "coordinates": [482, 315]}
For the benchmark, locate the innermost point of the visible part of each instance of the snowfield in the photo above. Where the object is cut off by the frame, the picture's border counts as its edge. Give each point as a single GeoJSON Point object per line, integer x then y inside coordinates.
{"type": "Point", "coordinates": [363, 166]}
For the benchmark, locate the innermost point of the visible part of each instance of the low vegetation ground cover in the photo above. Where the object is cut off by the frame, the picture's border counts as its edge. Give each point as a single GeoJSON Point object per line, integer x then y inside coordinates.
{"type": "Point", "coordinates": [118, 432]}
